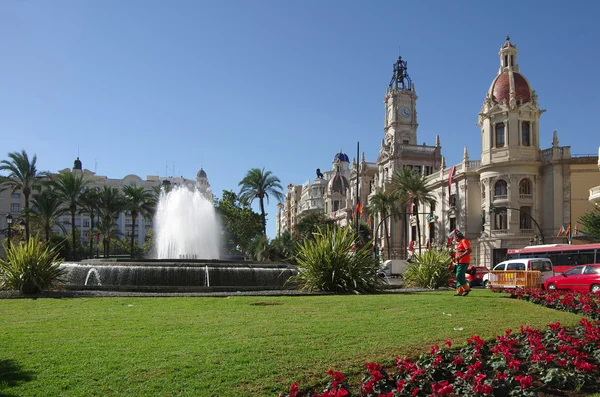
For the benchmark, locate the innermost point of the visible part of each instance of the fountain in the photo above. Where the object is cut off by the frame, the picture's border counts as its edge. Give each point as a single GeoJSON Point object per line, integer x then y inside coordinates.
{"type": "Point", "coordinates": [186, 226]}
{"type": "Point", "coordinates": [187, 256]}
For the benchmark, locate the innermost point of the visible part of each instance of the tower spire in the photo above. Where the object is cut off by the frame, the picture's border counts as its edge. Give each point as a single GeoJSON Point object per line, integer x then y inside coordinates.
{"type": "Point", "coordinates": [400, 79]}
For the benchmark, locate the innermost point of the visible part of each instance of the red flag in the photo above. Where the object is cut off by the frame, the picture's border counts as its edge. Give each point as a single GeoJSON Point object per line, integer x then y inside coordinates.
{"type": "Point", "coordinates": [411, 245]}
{"type": "Point", "coordinates": [359, 208]}
{"type": "Point", "coordinates": [450, 176]}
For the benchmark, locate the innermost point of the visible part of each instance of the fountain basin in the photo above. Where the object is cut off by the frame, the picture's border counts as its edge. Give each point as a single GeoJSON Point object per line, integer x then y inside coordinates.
{"type": "Point", "coordinates": [182, 275]}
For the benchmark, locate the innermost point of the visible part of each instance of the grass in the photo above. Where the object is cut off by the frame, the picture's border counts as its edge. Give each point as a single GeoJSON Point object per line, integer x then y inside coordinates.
{"type": "Point", "coordinates": [237, 346]}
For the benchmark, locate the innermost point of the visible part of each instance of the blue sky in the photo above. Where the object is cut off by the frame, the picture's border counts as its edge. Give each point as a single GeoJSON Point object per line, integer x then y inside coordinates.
{"type": "Point", "coordinates": [139, 86]}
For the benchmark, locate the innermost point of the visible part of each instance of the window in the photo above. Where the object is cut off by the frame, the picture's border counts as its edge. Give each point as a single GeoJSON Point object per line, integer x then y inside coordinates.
{"type": "Point", "coordinates": [500, 188]}
{"type": "Point", "coordinates": [525, 218]}
{"type": "Point", "coordinates": [500, 219]}
{"type": "Point", "coordinates": [525, 186]}
{"type": "Point", "coordinates": [500, 135]}
{"type": "Point", "coordinates": [516, 266]}
{"type": "Point", "coordinates": [452, 224]}
{"type": "Point", "coordinates": [574, 270]}
{"type": "Point", "coordinates": [500, 267]}
{"type": "Point", "coordinates": [15, 207]}
{"type": "Point", "coordinates": [413, 233]}
{"type": "Point", "coordinates": [525, 137]}
{"type": "Point", "coordinates": [417, 169]}
{"type": "Point", "coordinates": [428, 170]}
{"type": "Point", "coordinates": [542, 266]}
{"type": "Point", "coordinates": [86, 223]}
{"type": "Point", "coordinates": [591, 270]}
{"type": "Point", "coordinates": [405, 141]}
{"type": "Point", "coordinates": [336, 205]}
{"type": "Point", "coordinates": [452, 201]}
{"type": "Point", "coordinates": [15, 195]}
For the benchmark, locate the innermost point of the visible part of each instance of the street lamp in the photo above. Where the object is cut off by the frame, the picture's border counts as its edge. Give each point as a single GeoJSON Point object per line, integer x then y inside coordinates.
{"type": "Point", "coordinates": [9, 221]}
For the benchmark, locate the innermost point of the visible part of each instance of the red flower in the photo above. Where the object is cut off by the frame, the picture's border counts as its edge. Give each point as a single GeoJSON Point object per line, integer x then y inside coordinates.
{"type": "Point", "coordinates": [448, 343]}
{"type": "Point", "coordinates": [525, 381]}
{"type": "Point", "coordinates": [442, 388]}
{"type": "Point", "coordinates": [415, 391]}
{"type": "Point", "coordinates": [294, 389]}
{"type": "Point", "coordinates": [400, 385]}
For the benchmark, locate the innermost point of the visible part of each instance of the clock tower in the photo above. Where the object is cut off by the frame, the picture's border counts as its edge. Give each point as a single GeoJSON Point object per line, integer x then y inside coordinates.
{"type": "Point", "coordinates": [400, 101]}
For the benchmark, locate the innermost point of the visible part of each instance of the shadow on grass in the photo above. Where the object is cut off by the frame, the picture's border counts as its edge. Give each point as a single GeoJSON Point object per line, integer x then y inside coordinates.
{"type": "Point", "coordinates": [11, 375]}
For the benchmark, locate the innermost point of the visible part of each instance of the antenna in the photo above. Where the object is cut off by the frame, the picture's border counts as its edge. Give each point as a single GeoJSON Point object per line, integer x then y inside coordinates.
{"type": "Point", "coordinates": [166, 170]}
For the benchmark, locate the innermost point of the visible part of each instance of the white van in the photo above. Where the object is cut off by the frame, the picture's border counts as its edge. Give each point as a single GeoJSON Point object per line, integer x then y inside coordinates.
{"type": "Point", "coordinates": [544, 265]}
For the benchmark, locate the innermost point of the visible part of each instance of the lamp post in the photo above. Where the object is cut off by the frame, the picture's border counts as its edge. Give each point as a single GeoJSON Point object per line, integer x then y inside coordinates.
{"type": "Point", "coordinates": [9, 221]}
{"type": "Point", "coordinates": [432, 217]}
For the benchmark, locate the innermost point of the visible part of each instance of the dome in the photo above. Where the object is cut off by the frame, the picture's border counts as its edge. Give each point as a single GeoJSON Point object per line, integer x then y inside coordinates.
{"type": "Point", "coordinates": [341, 157]}
{"type": "Point", "coordinates": [338, 184]}
{"type": "Point", "coordinates": [502, 85]}
{"type": "Point", "coordinates": [201, 174]}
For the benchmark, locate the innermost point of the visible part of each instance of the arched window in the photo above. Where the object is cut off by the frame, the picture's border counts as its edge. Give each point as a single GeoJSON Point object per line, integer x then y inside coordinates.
{"type": "Point", "coordinates": [525, 187]}
{"type": "Point", "coordinates": [500, 189]}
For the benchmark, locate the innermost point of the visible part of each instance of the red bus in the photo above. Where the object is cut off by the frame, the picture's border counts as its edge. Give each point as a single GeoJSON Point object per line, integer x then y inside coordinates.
{"type": "Point", "coordinates": [563, 256]}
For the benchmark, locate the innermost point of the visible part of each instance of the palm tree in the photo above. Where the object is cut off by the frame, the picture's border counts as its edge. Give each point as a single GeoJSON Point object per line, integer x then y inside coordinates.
{"type": "Point", "coordinates": [386, 203]}
{"type": "Point", "coordinates": [70, 187]}
{"type": "Point", "coordinates": [111, 204]}
{"type": "Point", "coordinates": [23, 176]}
{"type": "Point", "coordinates": [46, 209]}
{"type": "Point", "coordinates": [260, 184]}
{"type": "Point", "coordinates": [90, 204]}
{"type": "Point", "coordinates": [138, 201]}
{"type": "Point", "coordinates": [413, 186]}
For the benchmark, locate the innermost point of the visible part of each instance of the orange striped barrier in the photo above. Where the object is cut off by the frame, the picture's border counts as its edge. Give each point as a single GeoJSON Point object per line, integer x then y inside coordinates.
{"type": "Point", "coordinates": [516, 278]}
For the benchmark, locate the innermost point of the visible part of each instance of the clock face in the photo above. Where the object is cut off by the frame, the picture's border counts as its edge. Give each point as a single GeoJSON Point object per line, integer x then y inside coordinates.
{"type": "Point", "coordinates": [405, 112]}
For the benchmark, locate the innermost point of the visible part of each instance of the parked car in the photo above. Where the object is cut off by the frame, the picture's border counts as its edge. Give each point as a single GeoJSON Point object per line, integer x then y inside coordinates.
{"type": "Point", "coordinates": [543, 265]}
{"type": "Point", "coordinates": [581, 278]}
{"type": "Point", "coordinates": [474, 276]}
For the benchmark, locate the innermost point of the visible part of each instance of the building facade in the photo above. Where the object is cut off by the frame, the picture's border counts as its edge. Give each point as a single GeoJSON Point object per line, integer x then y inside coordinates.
{"type": "Point", "coordinates": [517, 194]}
{"type": "Point", "coordinates": [14, 202]}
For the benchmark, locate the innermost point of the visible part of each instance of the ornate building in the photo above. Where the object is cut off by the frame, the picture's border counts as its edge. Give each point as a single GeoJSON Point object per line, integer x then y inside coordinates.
{"type": "Point", "coordinates": [517, 194]}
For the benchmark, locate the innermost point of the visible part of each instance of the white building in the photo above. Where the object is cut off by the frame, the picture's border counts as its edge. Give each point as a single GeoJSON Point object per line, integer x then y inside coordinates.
{"type": "Point", "coordinates": [516, 195]}
{"type": "Point", "coordinates": [13, 203]}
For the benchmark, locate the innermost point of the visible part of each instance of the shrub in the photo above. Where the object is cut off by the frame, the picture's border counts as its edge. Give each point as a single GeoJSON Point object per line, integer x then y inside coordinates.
{"type": "Point", "coordinates": [429, 269]}
{"type": "Point", "coordinates": [330, 262]}
{"type": "Point", "coordinates": [30, 267]}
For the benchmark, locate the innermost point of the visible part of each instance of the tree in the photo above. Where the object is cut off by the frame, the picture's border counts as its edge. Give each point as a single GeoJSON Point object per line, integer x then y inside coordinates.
{"type": "Point", "coordinates": [386, 203]}
{"type": "Point", "coordinates": [69, 189]}
{"type": "Point", "coordinates": [310, 224]}
{"type": "Point", "coordinates": [138, 201]}
{"type": "Point", "coordinates": [411, 186]}
{"type": "Point", "coordinates": [90, 204]}
{"type": "Point", "coordinates": [260, 184]}
{"type": "Point", "coordinates": [45, 210]}
{"type": "Point", "coordinates": [22, 175]}
{"type": "Point", "coordinates": [240, 224]}
{"type": "Point", "coordinates": [112, 203]}
{"type": "Point", "coordinates": [591, 224]}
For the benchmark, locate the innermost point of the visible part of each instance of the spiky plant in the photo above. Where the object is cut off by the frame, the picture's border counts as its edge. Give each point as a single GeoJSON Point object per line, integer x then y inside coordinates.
{"type": "Point", "coordinates": [30, 267]}
{"type": "Point", "coordinates": [332, 263]}
{"type": "Point", "coordinates": [429, 269]}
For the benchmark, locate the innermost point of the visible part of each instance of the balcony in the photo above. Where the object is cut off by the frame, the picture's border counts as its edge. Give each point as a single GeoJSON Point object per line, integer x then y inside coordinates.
{"type": "Point", "coordinates": [527, 231]}
{"type": "Point", "coordinates": [595, 195]}
{"type": "Point", "coordinates": [500, 232]}
{"type": "Point", "coordinates": [526, 196]}
{"type": "Point", "coordinates": [501, 197]}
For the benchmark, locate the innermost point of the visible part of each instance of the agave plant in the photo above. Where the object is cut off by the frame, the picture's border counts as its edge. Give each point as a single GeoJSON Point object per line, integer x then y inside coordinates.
{"type": "Point", "coordinates": [331, 262]}
{"type": "Point", "coordinates": [30, 267]}
{"type": "Point", "coordinates": [429, 269]}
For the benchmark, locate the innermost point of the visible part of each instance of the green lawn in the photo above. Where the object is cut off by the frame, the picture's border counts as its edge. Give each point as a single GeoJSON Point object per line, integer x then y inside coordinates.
{"type": "Point", "coordinates": [237, 346]}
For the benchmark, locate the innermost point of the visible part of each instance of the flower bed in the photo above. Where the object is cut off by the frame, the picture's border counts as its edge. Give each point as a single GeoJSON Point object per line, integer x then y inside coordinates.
{"type": "Point", "coordinates": [587, 304]}
{"type": "Point", "coordinates": [515, 364]}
